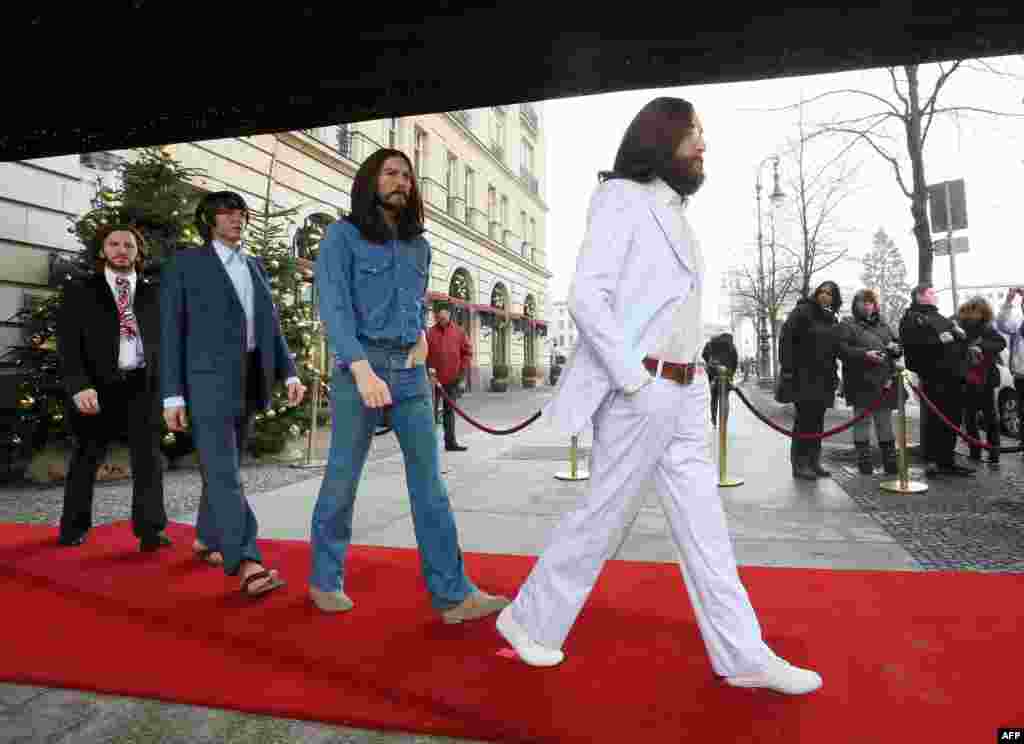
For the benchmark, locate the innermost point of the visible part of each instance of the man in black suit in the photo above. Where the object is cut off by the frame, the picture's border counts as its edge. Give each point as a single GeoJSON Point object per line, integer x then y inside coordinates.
{"type": "Point", "coordinates": [720, 351]}
{"type": "Point", "coordinates": [108, 336]}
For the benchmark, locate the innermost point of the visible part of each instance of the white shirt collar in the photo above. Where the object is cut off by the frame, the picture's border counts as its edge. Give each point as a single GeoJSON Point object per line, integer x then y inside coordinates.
{"type": "Point", "coordinates": [113, 275]}
{"type": "Point", "coordinates": [666, 195]}
{"type": "Point", "coordinates": [225, 251]}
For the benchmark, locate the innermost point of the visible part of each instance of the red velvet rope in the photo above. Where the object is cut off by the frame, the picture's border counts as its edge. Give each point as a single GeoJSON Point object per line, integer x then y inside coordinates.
{"type": "Point", "coordinates": [963, 435]}
{"type": "Point", "coordinates": [886, 391]}
{"type": "Point", "coordinates": [477, 424]}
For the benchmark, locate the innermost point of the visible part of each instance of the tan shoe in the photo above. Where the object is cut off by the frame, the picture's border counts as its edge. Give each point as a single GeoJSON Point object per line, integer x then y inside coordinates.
{"type": "Point", "coordinates": [477, 605]}
{"type": "Point", "coordinates": [331, 601]}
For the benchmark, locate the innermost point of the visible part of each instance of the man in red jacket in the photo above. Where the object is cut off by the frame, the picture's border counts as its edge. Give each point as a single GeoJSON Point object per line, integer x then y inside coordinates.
{"type": "Point", "coordinates": [448, 355]}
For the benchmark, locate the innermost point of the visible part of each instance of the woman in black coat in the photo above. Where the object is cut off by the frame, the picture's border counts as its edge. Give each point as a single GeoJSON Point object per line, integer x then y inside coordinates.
{"type": "Point", "coordinates": [808, 349]}
{"type": "Point", "coordinates": [984, 345]}
{"type": "Point", "coordinates": [868, 347]}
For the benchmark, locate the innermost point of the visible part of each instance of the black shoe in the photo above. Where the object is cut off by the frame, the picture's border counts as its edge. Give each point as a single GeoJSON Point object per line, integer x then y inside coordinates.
{"type": "Point", "coordinates": [818, 470]}
{"type": "Point", "coordinates": [455, 448]}
{"type": "Point", "coordinates": [149, 543]}
{"type": "Point", "coordinates": [71, 542]}
{"type": "Point", "coordinates": [804, 472]}
{"type": "Point", "coordinates": [953, 469]}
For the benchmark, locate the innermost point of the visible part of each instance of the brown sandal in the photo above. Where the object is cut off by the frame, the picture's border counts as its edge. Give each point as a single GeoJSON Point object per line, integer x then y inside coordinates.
{"type": "Point", "coordinates": [275, 582]}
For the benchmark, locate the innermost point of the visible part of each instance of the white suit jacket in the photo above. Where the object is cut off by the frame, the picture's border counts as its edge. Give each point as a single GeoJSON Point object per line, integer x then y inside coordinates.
{"type": "Point", "coordinates": [635, 264]}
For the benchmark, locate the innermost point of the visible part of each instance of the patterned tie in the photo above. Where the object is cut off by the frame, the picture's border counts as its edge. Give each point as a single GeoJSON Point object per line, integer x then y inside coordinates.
{"type": "Point", "coordinates": [129, 327]}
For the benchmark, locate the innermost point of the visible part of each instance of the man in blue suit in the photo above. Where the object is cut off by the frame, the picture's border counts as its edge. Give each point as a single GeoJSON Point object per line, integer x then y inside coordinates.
{"type": "Point", "coordinates": [223, 352]}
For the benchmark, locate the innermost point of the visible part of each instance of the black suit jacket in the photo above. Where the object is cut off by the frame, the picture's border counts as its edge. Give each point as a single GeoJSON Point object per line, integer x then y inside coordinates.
{"type": "Point", "coordinates": [89, 337]}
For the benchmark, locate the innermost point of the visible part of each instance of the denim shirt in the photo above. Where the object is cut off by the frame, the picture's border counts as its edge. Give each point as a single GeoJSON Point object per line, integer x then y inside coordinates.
{"type": "Point", "coordinates": [370, 291]}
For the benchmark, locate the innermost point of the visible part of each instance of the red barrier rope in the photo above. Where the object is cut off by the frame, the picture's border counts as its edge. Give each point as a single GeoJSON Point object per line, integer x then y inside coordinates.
{"type": "Point", "coordinates": [963, 435]}
{"type": "Point", "coordinates": [886, 391]}
{"type": "Point", "coordinates": [478, 425]}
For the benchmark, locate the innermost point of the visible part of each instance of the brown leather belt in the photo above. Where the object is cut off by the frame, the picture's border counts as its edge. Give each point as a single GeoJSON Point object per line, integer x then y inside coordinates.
{"type": "Point", "coordinates": [681, 373]}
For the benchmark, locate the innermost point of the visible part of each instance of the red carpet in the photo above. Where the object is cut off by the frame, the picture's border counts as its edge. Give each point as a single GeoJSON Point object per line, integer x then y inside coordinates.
{"type": "Point", "coordinates": [905, 657]}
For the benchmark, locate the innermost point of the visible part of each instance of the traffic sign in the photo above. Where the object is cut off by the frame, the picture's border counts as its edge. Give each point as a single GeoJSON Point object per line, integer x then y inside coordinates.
{"type": "Point", "coordinates": [947, 205]}
{"type": "Point", "coordinates": [941, 247]}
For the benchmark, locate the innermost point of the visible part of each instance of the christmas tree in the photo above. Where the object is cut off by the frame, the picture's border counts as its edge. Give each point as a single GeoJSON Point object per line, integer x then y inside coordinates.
{"type": "Point", "coordinates": [290, 286]}
{"type": "Point", "coordinates": [157, 197]}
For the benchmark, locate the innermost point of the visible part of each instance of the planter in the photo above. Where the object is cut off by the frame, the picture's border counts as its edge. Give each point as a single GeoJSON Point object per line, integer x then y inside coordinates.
{"type": "Point", "coordinates": [529, 377]}
{"type": "Point", "coordinates": [499, 382]}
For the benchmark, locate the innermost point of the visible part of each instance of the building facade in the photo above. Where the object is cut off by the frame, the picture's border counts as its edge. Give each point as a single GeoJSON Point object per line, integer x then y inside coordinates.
{"type": "Point", "coordinates": [481, 174]}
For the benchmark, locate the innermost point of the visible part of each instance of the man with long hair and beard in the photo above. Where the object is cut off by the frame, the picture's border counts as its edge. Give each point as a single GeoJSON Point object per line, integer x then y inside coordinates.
{"type": "Point", "coordinates": [636, 299]}
{"type": "Point", "coordinates": [372, 275]}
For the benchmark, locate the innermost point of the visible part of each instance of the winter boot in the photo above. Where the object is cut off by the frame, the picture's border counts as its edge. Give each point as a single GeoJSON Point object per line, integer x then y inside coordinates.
{"type": "Point", "coordinates": [889, 459]}
{"type": "Point", "coordinates": [815, 462]}
{"type": "Point", "coordinates": [799, 459]}
{"type": "Point", "coordinates": [864, 464]}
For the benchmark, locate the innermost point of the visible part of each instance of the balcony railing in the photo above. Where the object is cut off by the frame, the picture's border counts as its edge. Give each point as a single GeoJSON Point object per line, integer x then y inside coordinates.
{"type": "Point", "coordinates": [509, 239]}
{"type": "Point", "coordinates": [498, 150]}
{"type": "Point", "coordinates": [529, 115]}
{"type": "Point", "coordinates": [433, 192]}
{"type": "Point", "coordinates": [529, 179]}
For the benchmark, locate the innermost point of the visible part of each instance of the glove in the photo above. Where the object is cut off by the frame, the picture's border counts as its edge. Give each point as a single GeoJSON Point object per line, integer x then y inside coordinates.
{"type": "Point", "coordinates": [875, 357]}
{"type": "Point", "coordinates": [946, 337]}
{"type": "Point", "coordinates": [974, 354]}
{"type": "Point", "coordinates": [958, 331]}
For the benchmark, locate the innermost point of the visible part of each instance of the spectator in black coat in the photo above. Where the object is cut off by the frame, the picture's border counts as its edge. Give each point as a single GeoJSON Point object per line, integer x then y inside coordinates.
{"type": "Point", "coordinates": [808, 350]}
{"type": "Point", "coordinates": [720, 351]}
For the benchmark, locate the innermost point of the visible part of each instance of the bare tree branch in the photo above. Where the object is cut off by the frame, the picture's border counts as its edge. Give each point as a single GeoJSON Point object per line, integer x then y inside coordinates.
{"type": "Point", "coordinates": [896, 88]}
{"type": "Point", "coordinates": [855, 91]}
{"type": "Point", "coordinates": [891, 160]}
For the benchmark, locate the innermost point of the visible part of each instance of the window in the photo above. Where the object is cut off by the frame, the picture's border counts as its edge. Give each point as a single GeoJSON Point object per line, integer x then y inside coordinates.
{"type": "Point", "coordinates": [499, 132]}
{"type": "Point", "coordinates": [492, 204]}
{"type": "Point", "coordinates": [525, 235]}
{"type": "Point", "coordinates": [504, 211]}
{"type": "Point", "coordinates": [527, 157]}
{"type": "Point", "coordinates": [420, 153]}
{"type": "Point", "coordinates": [393, 132]}
{"type": "Point", "coordinates": [533, 240]}
{"type": "Point", "coordinates": [451, 177]}
{"type": "Point", "coordinates": [468, 186]}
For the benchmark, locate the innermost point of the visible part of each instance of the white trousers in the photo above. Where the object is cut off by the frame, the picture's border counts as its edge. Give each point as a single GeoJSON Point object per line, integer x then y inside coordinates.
{"type": "Point", "coordinates": [662, 431]}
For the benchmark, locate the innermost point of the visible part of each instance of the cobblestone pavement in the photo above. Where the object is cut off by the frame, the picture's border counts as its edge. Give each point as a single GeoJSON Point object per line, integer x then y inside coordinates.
{"type": "Point", "coordinates": [958, 524]}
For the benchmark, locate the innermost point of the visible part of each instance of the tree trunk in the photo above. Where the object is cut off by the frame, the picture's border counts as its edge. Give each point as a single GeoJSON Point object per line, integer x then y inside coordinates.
{"type": "Point", "coordinates": [919, 198]}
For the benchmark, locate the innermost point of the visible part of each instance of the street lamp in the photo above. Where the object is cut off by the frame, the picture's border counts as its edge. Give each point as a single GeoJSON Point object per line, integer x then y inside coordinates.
{"type": "Point", "coordinates": [776, 198]}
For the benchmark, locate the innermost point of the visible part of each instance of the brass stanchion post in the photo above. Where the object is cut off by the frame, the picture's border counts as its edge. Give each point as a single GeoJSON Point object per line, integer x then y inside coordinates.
{"type": "Point", "coordinates": [318, 375]}
{"type": "Point", "coordinates": [575, 473]}
{"type": "Point", "coordinates": [723, 382]}
{"type": "Point", "coordinates": [903, 484]}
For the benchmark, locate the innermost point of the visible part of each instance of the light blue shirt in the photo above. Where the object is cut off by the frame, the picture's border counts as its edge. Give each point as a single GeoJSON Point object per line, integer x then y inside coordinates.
{"type": "Point", "coordinates": [238, 271]}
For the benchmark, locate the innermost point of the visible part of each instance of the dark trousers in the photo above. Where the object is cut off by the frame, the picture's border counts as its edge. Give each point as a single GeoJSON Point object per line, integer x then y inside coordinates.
{"type": "Point", "coordinates": [982, 400]}
{"type": "Point", "coordinates": [810, 419]}
{"type": "Point", "coordinates": [713, 382]}
{"type": "Point", "coordinates": [448, 413]}
{"type": "Point", "coordinates": [940, 440]}
{"type": "Point", "coordinates": [226, 522]}
{"type": "Point", "coordinates": [128, 409]}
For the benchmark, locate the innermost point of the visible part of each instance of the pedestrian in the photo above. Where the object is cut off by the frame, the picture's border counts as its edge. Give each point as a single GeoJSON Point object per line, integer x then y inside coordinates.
{"type": "Point", "coordinates": [372, 275]}
{"type": "Point", "coordinates": [449, 355]}
{"type": "Point", "coordinates": [223, 350]}
{"type": "Point", "coordinates": [636, 299]}
{"type": "Point", "coordinates": [108, 343]}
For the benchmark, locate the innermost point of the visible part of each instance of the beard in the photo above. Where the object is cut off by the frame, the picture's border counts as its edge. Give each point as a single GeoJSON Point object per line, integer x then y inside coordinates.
{"type": "Point", "coordinates": [684, 177]}
{"type": "Point", "coordinates": [388, 204]}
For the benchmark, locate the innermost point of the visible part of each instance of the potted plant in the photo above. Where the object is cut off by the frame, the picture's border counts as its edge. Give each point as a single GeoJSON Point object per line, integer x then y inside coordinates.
{"type": "Point", "coordinates": [499, 381]}
{"type": "Point", "coordinates": [530, 376]}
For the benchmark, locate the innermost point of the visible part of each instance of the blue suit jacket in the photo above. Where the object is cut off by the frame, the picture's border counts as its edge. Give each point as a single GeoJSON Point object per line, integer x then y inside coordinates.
{"type": "Point", "coordinates": [202, 332]}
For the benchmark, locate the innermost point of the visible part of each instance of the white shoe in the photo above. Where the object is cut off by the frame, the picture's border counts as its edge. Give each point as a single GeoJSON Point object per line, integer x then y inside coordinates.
{"type": "Point", "coordinates": [331, 601]}
{"type": "Point", "coordinates": [780, 676]}
{"type": "Point", "coordinates": [528, 650]}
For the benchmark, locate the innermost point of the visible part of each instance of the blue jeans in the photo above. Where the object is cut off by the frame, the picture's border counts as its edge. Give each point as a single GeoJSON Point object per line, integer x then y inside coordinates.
{"type": "Point", "coordinates": [412, 418]}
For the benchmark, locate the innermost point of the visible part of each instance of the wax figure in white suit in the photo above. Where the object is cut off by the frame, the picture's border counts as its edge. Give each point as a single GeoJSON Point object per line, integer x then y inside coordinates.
{"type": "Point", "coordinates": [636, 299]}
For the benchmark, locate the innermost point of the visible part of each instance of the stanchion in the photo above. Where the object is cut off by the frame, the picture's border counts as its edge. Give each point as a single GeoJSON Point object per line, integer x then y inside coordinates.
{"type": "Point", "coordinates": [724, 381]}
{"type": "Point", "coordinates": [309, 461]}
{"type": "Point", "coordinates": [575, 473]}
{"type": "Point", "coordinates": [903, 484]}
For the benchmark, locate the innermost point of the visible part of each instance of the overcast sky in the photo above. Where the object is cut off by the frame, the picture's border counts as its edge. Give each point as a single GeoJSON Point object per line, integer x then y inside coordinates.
{"type": "Point", "coordinates": [583, 134]}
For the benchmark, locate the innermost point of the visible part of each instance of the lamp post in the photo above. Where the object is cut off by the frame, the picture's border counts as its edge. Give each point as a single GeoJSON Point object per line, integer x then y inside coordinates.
{"type": "Point", "coordinates": [776, 197]}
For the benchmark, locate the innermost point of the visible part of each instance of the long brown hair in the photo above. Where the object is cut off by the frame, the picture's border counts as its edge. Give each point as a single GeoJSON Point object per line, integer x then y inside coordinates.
{"type": "Point", "coordinates": [366, 208]}
{"type": "Point", "coordinates": [649, 145]}
{"type": "Point", "coordinates": [104, 232]}
{"type": "Point", "coordinates": [979, 305]}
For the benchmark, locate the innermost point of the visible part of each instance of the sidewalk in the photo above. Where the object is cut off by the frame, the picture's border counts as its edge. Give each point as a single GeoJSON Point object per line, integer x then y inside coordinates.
{"type": "Point", "coordinates": [507, 499]}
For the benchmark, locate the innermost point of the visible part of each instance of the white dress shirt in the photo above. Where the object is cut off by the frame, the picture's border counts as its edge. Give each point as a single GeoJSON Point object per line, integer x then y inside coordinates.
{"type": "Point", "coordinates": [130, 354]}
